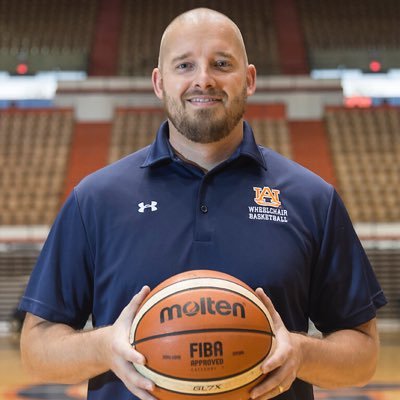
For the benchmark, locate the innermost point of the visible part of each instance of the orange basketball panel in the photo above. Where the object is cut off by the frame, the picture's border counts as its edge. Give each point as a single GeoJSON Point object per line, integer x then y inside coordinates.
{"type": "Point", "coordinates": [242, 393]}
{"type": "Point", "coordinates": [196, 274]}
{"type": "Point", "coordinates": [201, 307]}
{"type": "Point", "coordinates": [206, 355]}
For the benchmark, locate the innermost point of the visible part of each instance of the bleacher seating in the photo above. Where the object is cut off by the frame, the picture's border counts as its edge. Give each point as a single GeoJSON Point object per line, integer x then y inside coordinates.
{"type": "Point", "coordinates": [133, 129]}
{"type": "Point", "coordinates": [56, 35]}
{"type": "Point", "coordinates": [344, 24]}
{"type": "Point", "coordinates": [49, 35]}
{"type": "Point", "coordinates": [35, 147]}
{"type": "Point", "coordinates": [385, 262]}
{"type": "Point", "coordinates": [366, 152]}
{"type": "Point", "coordinates": [272, 133]}
{"type": "Point", "coordinates": [351, 33]}
{"type": "Point", "coordinates": [145, 20]}
{"type": "Point", "coordinates": [34, 150]}
{"type": "Point", "coordinates": [15, 267]}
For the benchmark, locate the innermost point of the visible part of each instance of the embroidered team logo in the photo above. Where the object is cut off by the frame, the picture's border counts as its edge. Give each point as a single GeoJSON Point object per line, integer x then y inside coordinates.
{"type": "Point", "coordinates": [152, 206]}
{"type": "Point", "coordinates": [267, 197]}
{"type": "Point", "coordinates": [269, 206]}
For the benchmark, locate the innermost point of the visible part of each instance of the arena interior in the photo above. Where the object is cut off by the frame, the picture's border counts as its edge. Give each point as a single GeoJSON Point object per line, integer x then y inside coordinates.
{"type": "Point", "coordinates": [76, 95]}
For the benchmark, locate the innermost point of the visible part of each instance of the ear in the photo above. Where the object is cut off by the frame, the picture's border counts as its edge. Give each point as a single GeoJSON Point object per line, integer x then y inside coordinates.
{"type": "Point", "coordinates": [157, 81]}
{"type": "Point", "coordinates": [251, 79]}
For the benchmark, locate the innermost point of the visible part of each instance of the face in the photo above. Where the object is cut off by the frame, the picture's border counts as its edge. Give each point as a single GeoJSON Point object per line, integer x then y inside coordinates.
{"type": "Point", "coordinates": [204, 81]}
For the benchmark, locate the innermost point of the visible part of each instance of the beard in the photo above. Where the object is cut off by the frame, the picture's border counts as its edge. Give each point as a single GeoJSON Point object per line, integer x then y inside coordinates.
{"type": "Point", "coordinates": [204, 125]}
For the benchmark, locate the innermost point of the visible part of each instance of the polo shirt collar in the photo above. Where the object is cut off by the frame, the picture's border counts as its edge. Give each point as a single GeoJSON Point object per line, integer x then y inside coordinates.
{"type": "Point", "coordinates": [249, 147]}
{"type": "Point", "coordinates": [161, 150]}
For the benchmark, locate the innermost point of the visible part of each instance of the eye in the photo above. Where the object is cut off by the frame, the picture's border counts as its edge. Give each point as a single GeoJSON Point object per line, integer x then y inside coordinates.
{"type": "Point", "coordinates": [223, 64]}
{"type": "Point", "coordinates": [184, 66]}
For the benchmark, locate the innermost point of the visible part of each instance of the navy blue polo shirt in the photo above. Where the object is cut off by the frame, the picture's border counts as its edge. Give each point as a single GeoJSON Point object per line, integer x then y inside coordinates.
{"type": "Point", "coordinates": [257, 216]}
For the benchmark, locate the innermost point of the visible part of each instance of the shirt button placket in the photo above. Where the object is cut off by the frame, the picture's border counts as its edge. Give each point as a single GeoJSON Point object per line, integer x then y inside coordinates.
{"type": "Point", "coordinates": [203, 229]}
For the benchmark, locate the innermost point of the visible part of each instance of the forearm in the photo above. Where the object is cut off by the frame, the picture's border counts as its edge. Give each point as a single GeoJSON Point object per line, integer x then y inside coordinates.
{"type": "Point", "coordinates": [346, 357]}
{"type": "Point", "coordinates": [57, 353]}
{"type": "Point", "coordinates": [54, 352]}
{"type": "Point", "coordinates": [343, 358]}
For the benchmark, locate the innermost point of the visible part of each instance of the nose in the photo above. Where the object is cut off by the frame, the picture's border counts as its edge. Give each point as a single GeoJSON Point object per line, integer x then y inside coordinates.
{"type": "Point", "coordinates": [204, 78]}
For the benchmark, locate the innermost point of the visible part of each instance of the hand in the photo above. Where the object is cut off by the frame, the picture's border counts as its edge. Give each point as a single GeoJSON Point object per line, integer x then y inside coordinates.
{"type": "Point", "coordinates": [282, 365]}
{"type": "Point", "coordinates": [121, 354]}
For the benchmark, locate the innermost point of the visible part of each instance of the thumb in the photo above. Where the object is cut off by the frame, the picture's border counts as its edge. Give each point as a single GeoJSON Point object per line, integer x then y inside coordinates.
{"type": "Point", "coordinates": [276, 318]}
{"type": "Point", "coordinates": [130, 310]}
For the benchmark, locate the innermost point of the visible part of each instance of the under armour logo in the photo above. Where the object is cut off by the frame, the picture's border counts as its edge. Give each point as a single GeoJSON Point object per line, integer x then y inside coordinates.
{"type": "Point", "coordinates": [152, 206]}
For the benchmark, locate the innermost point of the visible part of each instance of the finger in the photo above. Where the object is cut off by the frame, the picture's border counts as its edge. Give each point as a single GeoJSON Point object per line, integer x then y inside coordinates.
{"type": "Point", "coordinates": [142, 394]}
{"type": "Point", "coordinates": [139, 390]}
{"type": "Point", "coordinates": [129, 353]}
{"type": "Point", "coordinates": [139, 381]}
{"type": "Point", "coordinates": [276, 319]}
{"type": "Point", "coordinates": [276, 359]}
{"type": "Point", "coordinates": [132, 379]}
{"type": "Point", "coordinates": [271, 394]}
{"type": "Point", "coordinates": [130, 310]}
{"type": "Point", "coordinates": [280, 379]}
{"type": "Point", "coordinates": [281, 351]}
{"type": "Point", "coordinates": [267, 386]}
{"type": "Point", "coordinates": [137, 299]}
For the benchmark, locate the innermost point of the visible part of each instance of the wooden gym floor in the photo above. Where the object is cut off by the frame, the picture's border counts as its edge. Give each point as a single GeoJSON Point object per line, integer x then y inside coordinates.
{"type": "Point", "coordinates": [15, 384]}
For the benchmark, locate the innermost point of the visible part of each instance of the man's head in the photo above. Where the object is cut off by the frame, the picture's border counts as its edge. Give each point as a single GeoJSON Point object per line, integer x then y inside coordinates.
{"type": "Point", "coordinates": [203, 76]}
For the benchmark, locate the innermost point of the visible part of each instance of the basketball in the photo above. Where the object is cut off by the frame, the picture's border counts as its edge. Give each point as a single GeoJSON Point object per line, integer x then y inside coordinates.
{"type": "Point", "coordinates": [203, 333]}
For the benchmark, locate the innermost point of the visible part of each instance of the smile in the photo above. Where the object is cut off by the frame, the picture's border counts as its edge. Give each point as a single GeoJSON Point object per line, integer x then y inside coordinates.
{"type": "Point", "coordinates": [204, 101]}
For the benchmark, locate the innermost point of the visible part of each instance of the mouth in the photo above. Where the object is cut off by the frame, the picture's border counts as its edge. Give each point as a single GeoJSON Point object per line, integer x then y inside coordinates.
{"type": "Point", "coordinates": [204, 101]}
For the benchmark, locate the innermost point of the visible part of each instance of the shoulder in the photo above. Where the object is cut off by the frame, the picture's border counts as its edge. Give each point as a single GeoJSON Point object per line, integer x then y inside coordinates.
{"type": "Point", "coordinates": [306, 196]}
{"type": "Point", "coordinates": [292, 174]}
{"type": "Point", "coordinates": [116, 175]}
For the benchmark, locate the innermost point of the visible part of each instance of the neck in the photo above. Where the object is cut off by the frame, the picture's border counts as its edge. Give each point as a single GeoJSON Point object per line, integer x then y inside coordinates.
{"type": "Point", "coordinates": [206, 155]}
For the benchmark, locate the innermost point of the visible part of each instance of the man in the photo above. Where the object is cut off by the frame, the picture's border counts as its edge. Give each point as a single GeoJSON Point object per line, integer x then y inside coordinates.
{"type": "Point", "coordinates": [204, 195]}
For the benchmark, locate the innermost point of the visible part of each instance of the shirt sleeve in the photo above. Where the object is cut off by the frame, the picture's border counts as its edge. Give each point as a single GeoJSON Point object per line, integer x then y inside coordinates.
{"type": "Point", "coordinates": [344, 289]}
{"type": "Point", "coordinates": [60, 288]}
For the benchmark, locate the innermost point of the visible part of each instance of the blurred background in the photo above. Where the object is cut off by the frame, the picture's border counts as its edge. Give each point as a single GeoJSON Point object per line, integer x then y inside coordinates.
{"type": "Point", "coordinates": [76, 95]}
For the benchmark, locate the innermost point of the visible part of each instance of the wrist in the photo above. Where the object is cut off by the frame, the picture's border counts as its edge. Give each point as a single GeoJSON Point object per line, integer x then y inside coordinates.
{"type": "Point", "coordinates": [103, 339]}
{"type": "Point", "coordinates": [300, 343]}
